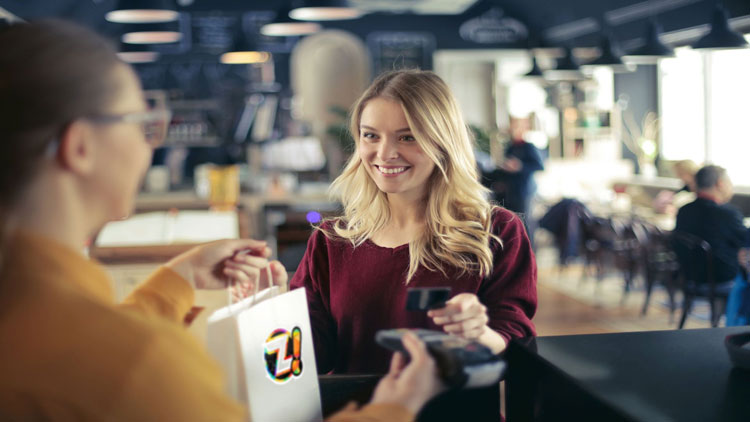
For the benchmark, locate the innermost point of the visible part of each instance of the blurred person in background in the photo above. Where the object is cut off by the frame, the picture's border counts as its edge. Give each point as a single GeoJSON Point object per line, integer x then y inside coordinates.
{"type": "Point", "coordinates": [77, 139]}
{"type": "Point", "coordinates": [712, 219]}
{"type": "Point", "coordinates": [512, 183]}
{"type": "Point", "coordinates": [415, 215]}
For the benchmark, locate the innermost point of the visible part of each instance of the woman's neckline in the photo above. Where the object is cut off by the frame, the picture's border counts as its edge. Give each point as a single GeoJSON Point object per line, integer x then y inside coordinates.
{"type": "Point", "coordinates": [393, 249]}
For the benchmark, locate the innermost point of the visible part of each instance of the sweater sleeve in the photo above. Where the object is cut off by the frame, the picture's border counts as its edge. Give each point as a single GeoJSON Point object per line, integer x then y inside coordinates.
{"type": "Point", "coordinates": [175, 380]}
{"type": "Point", "coordinates": [372, 413]}
{"type": "Point", "coordinates": [164, 294]}
{"type": "Point", "coordinates": [509, 293]}
{"type": "Point", "coordinates": [313, 274]}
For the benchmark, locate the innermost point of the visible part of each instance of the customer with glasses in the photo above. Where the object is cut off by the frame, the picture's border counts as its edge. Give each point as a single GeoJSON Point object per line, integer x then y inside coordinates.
{"type": "Point", "coordinates": [76, 141]}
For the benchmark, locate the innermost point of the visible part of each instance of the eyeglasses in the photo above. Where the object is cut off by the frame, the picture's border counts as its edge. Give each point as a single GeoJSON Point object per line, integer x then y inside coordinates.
{"type": "Point", "coordinates": [154, 123]}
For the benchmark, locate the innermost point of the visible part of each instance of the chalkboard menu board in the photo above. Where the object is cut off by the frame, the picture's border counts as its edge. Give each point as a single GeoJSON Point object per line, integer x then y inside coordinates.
{"type": "Point", "coordinates": [213, 32]}
{"type": "Point", "coordinates": [401, 50]}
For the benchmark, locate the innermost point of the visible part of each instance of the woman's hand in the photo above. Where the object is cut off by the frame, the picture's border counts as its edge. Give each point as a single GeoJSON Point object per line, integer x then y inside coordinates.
{"type": "Point", "coordinates": [409, 385]}
{"type": "Point", "coordinates": [240, 262]}
{"type": "Point", "coordinates": [464, 316]}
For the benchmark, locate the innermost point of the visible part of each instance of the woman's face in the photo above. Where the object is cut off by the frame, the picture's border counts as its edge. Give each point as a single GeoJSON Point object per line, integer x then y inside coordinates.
{"type": "Point", "coordinates": [390, 153]}
{"type": "Point", "coordinates": [123, 155]}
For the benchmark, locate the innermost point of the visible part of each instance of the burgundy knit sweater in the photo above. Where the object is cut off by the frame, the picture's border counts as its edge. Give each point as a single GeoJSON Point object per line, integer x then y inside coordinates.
{"type": "Point", "coordinates": [354, 292]}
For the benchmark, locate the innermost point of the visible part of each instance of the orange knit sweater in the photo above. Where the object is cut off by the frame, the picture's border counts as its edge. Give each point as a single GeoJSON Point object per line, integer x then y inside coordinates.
{"type": "Point", "coordinates": [68, 352]}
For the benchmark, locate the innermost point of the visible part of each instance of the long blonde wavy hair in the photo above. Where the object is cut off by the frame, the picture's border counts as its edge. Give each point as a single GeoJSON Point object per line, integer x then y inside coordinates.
{"type": "Point", "coordinates": [458, 216]}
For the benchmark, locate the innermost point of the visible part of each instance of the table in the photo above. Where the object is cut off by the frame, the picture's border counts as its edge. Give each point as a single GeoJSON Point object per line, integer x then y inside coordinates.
{"type": "Point", "coordinates": [476, 405]}
{"type": "Point", "coordinates": [683, 375]}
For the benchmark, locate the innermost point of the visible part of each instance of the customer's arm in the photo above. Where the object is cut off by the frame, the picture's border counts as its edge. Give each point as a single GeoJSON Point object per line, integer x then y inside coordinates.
{"type": "Point", "coordinates": [173, 379]}
{"type": "Point", "coordinates": [168, 292]}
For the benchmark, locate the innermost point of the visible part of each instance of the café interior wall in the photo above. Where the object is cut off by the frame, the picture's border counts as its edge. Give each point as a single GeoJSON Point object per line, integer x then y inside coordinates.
{"type": "Point", "coordinates": [637, 93]}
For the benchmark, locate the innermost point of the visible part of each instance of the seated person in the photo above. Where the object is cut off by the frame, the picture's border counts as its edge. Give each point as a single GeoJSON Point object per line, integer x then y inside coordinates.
{"type": "Point", "coordinates": [710, 218]}
{"type": "Point", "coordinates": [415, 215]}
{"type": "Point", "coordinates": [77, 139]}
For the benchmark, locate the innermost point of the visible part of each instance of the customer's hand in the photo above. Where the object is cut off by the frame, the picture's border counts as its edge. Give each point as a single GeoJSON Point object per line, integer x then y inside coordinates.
{"type": "Point", "coordinates": [463, 315]}
{"type": "Point", "coordinates": [410, 385]}
{"type": "Point", "coordinates": [240, 262]}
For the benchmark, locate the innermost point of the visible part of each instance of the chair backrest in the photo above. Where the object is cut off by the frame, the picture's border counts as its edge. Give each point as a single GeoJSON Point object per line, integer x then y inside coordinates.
{"type": "Point", "coordinates": [695, 258]}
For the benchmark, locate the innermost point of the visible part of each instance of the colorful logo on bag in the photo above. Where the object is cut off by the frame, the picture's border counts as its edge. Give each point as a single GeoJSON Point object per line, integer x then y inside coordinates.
{"type": "Point", "coordinates": [283, 354]}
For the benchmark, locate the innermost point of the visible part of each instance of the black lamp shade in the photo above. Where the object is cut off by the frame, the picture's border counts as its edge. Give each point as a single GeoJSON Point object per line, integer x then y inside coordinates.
{"type": "Point", "coordinates": [721, 35]}
{"type": "Point", "coordinates": [535, 72]}
{"type": "Point", "coordinates": [567, 68]}
{"type": "Point", "coordinates": [653, 48]}
{"type": "Point", "coordinates": [611, 56]}
{"type": "Point", "coordinates": [567, 62]}
{"type": "Point", "coordinates": [143, 11]}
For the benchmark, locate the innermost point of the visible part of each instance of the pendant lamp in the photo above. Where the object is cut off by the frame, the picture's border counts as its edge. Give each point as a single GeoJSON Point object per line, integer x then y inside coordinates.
{"type": "Point", "coordinates": [653, 49]}
{"type": "Point", "coordinates": [567, 68]}
{"type": "Point", "coordinates": [244, 51]}
{"type": "Point", "coordinates": [324, 10]}
{"type": "Point", "coordinates": [143, 11]}
{"type": "Point", "coordinates": [284, 26]}
{"type": "Point", "coordinates": [721, 35]}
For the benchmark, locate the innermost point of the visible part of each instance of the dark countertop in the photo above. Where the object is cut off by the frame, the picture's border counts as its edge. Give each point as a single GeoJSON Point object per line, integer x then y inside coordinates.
{"type": "Point", "coordinates": [679, 375]}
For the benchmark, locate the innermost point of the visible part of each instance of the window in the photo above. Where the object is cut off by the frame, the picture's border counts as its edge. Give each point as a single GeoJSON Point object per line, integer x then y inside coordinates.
{"type": "Point", "coordinates": [681, 104]}
{"type": "Point", "coordinates": [705, 109]}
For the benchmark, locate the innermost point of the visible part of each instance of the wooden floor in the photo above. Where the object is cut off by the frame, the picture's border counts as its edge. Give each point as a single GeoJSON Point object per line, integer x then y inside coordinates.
{"type": "Point", "coordinates": [570, 302]}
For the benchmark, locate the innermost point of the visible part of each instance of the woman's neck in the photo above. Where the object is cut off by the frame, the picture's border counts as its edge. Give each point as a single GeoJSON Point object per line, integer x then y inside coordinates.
{"type": "Point", "coordinates": [405, 212]}
{"type": "Point", "coordinates": [53, 208]}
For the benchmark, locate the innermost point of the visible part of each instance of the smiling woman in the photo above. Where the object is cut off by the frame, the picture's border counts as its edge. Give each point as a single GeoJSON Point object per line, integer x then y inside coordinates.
{"type": "Point", "coordinates": [414, 215]}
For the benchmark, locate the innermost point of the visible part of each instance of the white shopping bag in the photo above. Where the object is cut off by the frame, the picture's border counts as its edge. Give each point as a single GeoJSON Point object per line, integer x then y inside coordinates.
{"type": "Point", "coordinates": [265, 346]}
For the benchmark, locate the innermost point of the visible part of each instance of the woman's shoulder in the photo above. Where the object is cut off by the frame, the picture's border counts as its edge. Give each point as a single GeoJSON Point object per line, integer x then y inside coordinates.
{"type": "Point", "coordinates": [503, 217]}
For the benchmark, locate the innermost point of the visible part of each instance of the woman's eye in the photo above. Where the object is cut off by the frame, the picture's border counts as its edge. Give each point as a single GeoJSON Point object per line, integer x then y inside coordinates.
{"type": "Point", "coordinates": [408, 138]}
{"type": "Point", "coordinates": [369, 135]}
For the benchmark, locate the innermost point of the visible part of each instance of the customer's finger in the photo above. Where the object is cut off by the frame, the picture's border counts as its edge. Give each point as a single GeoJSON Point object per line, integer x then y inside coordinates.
{"type": "Point", "coordinates": [256, 261]}
{"type": "Point", "coordinates": [278, 273]}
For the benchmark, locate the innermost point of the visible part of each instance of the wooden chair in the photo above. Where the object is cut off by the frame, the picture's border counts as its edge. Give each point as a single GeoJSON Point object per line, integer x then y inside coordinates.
{"type": "Point", "coordinates": [661, 266]}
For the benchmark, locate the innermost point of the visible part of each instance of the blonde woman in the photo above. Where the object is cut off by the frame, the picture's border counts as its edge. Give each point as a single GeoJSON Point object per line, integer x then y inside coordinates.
{"type": "Point", "coordinates": [415, 215]}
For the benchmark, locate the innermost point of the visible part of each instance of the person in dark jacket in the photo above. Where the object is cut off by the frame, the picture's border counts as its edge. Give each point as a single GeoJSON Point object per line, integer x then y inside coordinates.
{"type": "Point", "coordinates": [710, 218]}
{"type": "Point", "coordinates": [512, 183]}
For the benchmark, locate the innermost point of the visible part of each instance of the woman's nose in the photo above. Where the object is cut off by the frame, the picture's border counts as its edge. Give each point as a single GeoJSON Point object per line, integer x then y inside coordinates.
{"type": "Point", "coordinates": [387, 150]}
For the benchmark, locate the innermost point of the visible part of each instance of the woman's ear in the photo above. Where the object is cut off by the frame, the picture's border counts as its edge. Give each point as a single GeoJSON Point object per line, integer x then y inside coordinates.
{"type": "Point", "coordinates": [76, 150]}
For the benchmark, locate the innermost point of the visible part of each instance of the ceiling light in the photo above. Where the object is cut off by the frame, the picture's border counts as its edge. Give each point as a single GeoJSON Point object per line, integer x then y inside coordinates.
{"type": "Point", "coordinates": [284, 26]}
{"type": "Point", "coordinates": [611, 57]}
{"type": "Point", "coordinates": [137, 53]}
{"type": "Point", "coordinates": [536, 71]}
{"type": "Point", "coordinates": [151, 37]}
{"type": "Point", "coordinates": [142, 11]}
{"type": "Point", "coordinates": [244, 51]}
{"type": "Point", "coordinates": [653, 49]}
{"type": "Point", "coordinates": [325, 10]}
{"type": "Point", "coordinates": [153, 33]}
{"type": "Point", "coordinates": [567, 69]}
{"type": "Point", "coordinates": [721, 35]}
